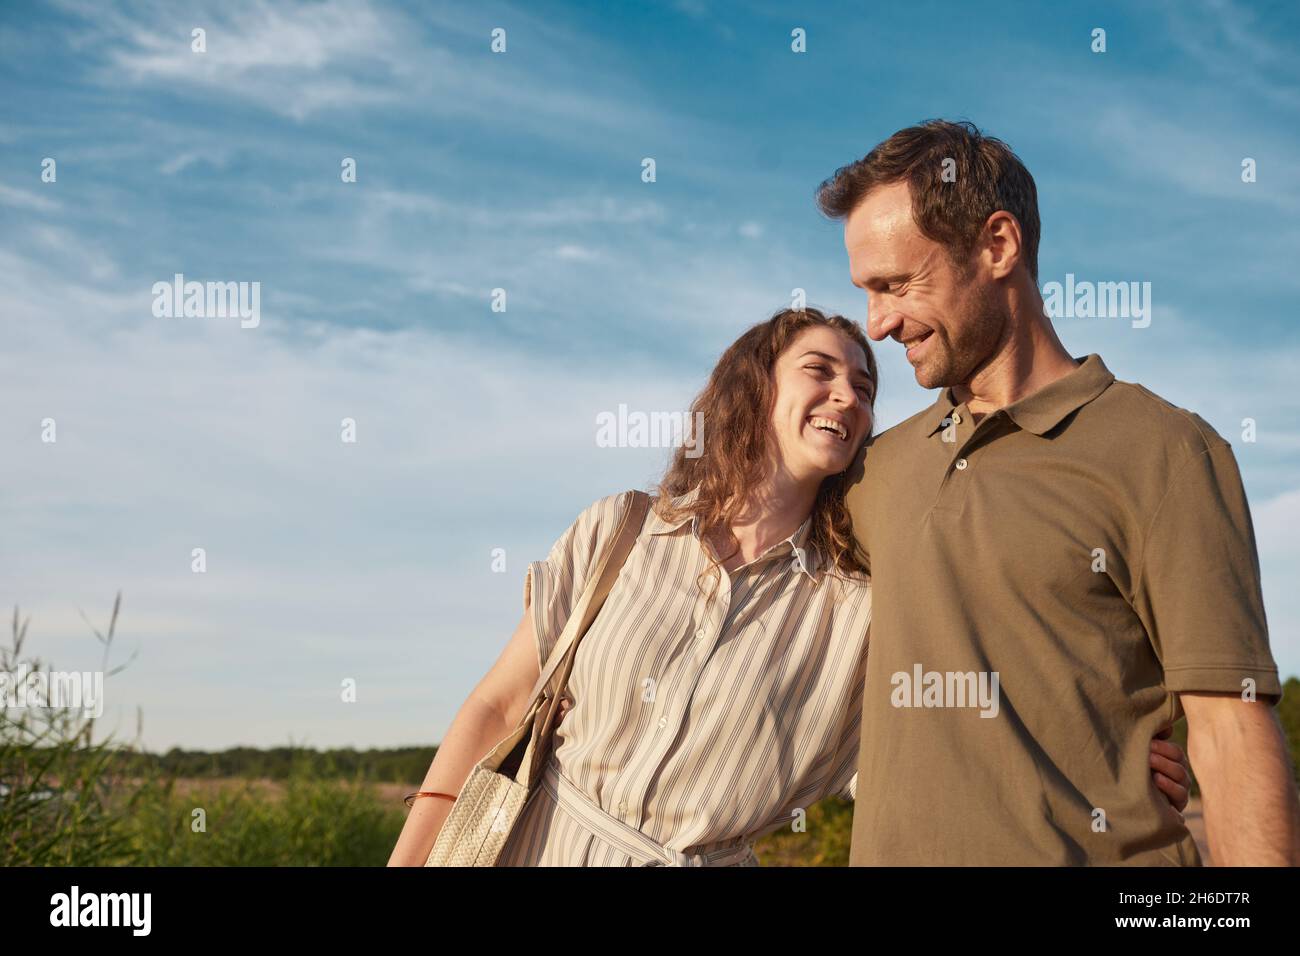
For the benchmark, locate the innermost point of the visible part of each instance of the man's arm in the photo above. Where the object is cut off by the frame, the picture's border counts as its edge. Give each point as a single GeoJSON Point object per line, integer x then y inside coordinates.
{"type": "Point", "coordinates": [1248, 792]}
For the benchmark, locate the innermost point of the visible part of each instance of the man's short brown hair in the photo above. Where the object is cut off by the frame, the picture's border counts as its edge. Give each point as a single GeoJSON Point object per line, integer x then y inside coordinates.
{"type": "Point", "coordinates": [988, 177]}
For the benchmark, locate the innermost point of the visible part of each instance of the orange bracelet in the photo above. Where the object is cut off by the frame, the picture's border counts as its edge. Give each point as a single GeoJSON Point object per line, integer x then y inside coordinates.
{"type": "Point", "coordinates": [409, 799]}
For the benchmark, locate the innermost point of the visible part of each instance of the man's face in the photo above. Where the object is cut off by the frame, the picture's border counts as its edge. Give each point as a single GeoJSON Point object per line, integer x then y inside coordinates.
{"type": "Point", "coordinates": [951, 320]}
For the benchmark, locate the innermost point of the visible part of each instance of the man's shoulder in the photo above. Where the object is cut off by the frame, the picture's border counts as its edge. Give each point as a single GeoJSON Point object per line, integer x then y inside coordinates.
{"type": "Point", "coordinates": [876, 451]}
{"type": "Point", "coordinates": [1140, 411]}
{"type": "Point", "coordinates": [923, 422]}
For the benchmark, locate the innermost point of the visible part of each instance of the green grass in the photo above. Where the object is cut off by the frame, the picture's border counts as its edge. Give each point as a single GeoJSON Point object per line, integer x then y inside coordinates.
{"type": "Point", "coordinates": [69, 799]}
{"type": "Point", "coordinates": [310, 822]}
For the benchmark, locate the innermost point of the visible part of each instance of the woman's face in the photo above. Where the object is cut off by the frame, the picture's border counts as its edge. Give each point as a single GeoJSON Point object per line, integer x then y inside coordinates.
{"type": "Point", "coordinates": [822, 411]}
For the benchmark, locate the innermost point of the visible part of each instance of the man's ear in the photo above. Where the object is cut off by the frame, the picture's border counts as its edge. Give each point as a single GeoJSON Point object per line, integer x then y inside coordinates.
{"type": "Point", "coordinates": [1002, 243]}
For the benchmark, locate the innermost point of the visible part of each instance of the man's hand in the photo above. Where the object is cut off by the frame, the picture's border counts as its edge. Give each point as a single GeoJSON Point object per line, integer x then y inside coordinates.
{"type": "Point", "coordinates": [1252, 812]}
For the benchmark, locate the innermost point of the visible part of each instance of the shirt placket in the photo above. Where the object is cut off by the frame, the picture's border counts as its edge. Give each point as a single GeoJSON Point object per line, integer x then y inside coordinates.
{"type": "Point", "coordinates": [966, 440]}
{"type": "Point", "coordinates": [709, 625]}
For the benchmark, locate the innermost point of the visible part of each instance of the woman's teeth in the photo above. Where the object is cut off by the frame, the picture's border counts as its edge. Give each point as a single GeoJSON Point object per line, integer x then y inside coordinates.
{"type": "Point", "coordinates": [826, 424]}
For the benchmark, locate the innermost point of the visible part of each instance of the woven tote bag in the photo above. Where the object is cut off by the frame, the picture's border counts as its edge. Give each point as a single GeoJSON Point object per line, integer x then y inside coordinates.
{"type": "Point", "coordinates": [493, 795]}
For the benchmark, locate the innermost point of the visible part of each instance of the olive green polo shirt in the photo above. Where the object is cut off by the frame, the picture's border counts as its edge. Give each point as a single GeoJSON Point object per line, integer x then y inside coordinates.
{"type": "Point", "coordinates": [1044, 583]}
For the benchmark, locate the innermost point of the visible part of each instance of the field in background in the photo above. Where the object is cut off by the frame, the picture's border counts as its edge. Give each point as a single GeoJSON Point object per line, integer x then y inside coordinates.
{"type": "Point", "coordinates": [67, 799]}
{"type": "Point", "coordinates": [300, 822]}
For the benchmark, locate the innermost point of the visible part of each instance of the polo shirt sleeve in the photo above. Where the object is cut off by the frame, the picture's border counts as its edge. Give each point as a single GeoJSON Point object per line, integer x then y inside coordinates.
{"type": "Point", "coordinates": [1198, 586]}
{"type": "Point", "coordinates": [551, 587]}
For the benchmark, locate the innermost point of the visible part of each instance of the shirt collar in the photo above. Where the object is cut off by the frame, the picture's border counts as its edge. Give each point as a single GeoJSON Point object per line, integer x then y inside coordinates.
{"type": "Point", "coordinates": [1043, 410]}
{"type": "Point", "coordinates": [805, 557]}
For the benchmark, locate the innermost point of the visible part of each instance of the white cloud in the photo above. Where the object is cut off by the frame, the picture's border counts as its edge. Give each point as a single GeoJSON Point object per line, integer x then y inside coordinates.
{"type": "Point", "coordinates": [66, 244]}
{"type": "Point", "coordinates": [183, 161]}
{"type": "Point", "coordinates": [576, 253]}
{"type": "Point", "coordinates": [1228, 41]}
{"type": "Point", "coordinates": [304, 60]}
{"type": "Point", "coordinates": [291, 60]}
{"type": "Point", "coordinates": [330, 560]}
{"type": "Point", "coordinates": [325, 559]}
{"type": "Point", "coordinates": [23, 199]}
{"type": "Point", "coordinates": [1154, 147]}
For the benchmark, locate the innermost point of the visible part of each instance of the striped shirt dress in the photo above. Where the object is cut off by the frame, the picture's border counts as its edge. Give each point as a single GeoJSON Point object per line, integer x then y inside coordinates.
{"type": "Point", "coordinates": [698, 724]}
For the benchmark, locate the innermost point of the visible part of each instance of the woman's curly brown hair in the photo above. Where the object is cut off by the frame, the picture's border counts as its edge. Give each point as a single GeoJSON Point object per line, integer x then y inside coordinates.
{"type": "Point", "coordinates": [737, 403]}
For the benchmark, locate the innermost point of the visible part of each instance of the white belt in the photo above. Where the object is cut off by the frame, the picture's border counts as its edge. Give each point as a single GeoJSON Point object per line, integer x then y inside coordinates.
{"type": "Point", "coordinates": [628, 839]}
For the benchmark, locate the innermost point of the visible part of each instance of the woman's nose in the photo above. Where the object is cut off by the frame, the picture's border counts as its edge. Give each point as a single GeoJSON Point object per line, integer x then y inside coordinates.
{"type": "Point", "coordinates": [844, 393]}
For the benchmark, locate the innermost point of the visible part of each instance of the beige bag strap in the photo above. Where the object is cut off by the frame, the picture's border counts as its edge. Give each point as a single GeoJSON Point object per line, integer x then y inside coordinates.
{"type": "Point", "coordinates": [598, 587]}
{"type": "Point", "coordinates": [544, 711]}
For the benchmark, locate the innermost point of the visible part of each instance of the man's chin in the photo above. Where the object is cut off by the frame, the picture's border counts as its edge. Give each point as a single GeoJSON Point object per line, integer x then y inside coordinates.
{"type": "Point", "coordinates": [930, 376]}
{"type": "Point", "coordinates": [927, 378]}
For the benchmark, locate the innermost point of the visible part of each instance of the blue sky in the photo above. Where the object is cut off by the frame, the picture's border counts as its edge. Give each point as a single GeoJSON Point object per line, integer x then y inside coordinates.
{"type": "Point", "coordinates": [522, 171]}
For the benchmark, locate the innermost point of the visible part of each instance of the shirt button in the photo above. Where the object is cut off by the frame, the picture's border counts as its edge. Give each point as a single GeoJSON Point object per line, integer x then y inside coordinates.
{"type": "Point", "coordinates": [699, 635]}
{"type": "Point", "coordinates": [961, 464]}
{"type": "Point", "coordinates": [956, 418]}
{"type": "Point", "coordinates": [622, 808]}
{"type": "Point", "coordinates": [663, 721]}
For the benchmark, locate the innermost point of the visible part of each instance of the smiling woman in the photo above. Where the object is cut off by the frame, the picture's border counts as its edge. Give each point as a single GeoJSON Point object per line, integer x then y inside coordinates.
{"type": "Point", "coordinates": [741, 614]}
{"type": "Point", "coordinates": [788, 406]}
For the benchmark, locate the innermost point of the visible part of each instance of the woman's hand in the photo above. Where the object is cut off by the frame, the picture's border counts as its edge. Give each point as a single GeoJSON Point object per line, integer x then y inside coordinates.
{"type": "Point", "coordinates": [1170, 770]}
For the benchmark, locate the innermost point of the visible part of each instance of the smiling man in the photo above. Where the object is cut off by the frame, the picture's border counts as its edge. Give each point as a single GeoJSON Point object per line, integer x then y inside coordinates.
{"type": "Point", "coordinates": [1078, 542]}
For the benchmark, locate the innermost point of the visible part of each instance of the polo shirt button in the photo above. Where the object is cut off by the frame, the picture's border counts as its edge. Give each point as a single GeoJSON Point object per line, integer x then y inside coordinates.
{"type": "Point", "coordinates": [961, 464]}
{"type": "Point", "coordinates": [956, 418]}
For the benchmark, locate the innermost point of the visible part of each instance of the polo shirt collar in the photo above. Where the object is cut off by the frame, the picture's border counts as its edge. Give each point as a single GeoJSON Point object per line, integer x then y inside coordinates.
{"type": "Point", "coordinates": [805, 557]}
{"type": "Point", "coordinates": [1046, 408]}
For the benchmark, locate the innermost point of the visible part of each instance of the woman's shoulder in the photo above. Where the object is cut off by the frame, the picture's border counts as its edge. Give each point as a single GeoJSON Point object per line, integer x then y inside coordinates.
{"type": "Point", "coordinates": [608, 510]}
{"type": "Point", "coordinates": [601, 518]}
{"type": "Point", "coordinates": [590, 533]}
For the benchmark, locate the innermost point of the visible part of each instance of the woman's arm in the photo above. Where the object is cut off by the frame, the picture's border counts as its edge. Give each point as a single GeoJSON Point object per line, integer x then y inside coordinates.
{"type": "Point", "coordinates": [492, 710]}
{"type": "Point", "coordinates": [1169, 770]}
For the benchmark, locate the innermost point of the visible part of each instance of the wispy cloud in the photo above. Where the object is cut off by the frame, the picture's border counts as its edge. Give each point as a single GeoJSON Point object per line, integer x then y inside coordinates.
{"type": "Point", "coordinates": [184, 161]}
{"type": "Point", "coordinates": [303, 61]}
{"type": "Point", "coordinates": [1202, 163]}
{"type": "Point", "coordinates": [1231, 42]}
{"type": "Point", "coordinates": [295, 60]}
{"type": "Point", "coordinates": [522, 171]}
{"type": "Point", "coordinates": [176, 434]}
{"type": "Point", "coordinates": [25, 199]}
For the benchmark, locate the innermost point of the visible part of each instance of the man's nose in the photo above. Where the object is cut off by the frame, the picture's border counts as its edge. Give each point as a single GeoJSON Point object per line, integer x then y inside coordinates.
{"type": "Point", "coordinates": [881, 319]}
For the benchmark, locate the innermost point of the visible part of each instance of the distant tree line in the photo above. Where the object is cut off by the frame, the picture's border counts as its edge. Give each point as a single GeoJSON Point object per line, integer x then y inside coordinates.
{"type": "Point", "coordinates": [395, 765]}
{"type": "Point", "coordinates": [409, 764]}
